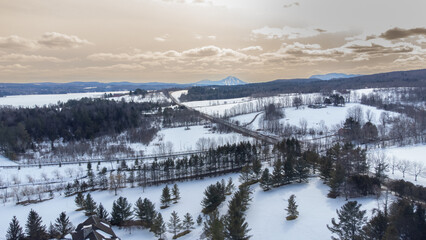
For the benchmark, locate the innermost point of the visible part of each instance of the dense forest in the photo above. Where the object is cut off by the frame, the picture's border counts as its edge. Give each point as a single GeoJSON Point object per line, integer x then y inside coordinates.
{"type": "Point", "coordinates": [416, 78]}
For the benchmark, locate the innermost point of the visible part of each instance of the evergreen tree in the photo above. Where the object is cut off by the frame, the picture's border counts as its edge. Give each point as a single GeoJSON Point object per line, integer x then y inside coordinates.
{"type": "Point", "coordinates": [131, 179]}
{"type": "Point", "coordinates": [265, 180]}
{"type": "Point", "coordinates": [79, 200]}
{"type": "Point", "coordinates": [176, 193]}
{"type": "Point", "coordinates": [34, 227]}
{"type": "Point", "coordinates": [235, 225]}
{"type": "Point", "coordinates": [214, 228]}
{"type": "Point", "coordinates": [101, 212]}
{"type": "Point", "coordinates": [199, 220]}
{"type": "Point", "coordinates": [288, 167]}
{"type": "Point", "coordinates": [15, 230]}
{"type": "Point", "coordinates": [165, 197]}
{"type": "Point", "coordinates": [351, 221]}
{"type": "Point", "coordinates": [121, 211]}
{"type": "Point", "coordinates": [214, 195]}
{"type": "Point", "coordinates": [230, 187]}
{"type": "Point", "coordinates": [174, 224]}
{"type": "Point", "coordinates": [188, 222]}
{"type": "Point", "coordinates": [256, 168]}
{"type": "Point", "coordinates": [51, 232]}
{"type": "Point", "coordinates": [89, 205]}
{"type": "Point", "coordinates": [145, 211]}
{"type": "Point", "coordinates": [277, 175]}
{"type": "Point", "coordinates": [158, 226]}
{"type": "Point", "coordinates": [291, 209]}
{"type": "Point", "coordinates": [63, 225]}
{"type": "Point", "coordinates": [375, 229]}
{"type": "Point", "coordinates": [336, 181]}
{"type": "Point", "coordinates": [301, 169]}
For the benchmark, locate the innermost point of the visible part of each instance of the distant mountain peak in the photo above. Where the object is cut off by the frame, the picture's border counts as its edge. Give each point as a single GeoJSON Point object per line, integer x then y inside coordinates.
{"type": "Point", "coordinates": [228, 81]}
{"type": "Point", "coordinates": [330, 76]}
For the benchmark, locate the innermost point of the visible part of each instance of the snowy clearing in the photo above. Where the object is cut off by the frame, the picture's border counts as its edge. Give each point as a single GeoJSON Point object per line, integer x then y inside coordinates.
{"type": "Point", "coordinates": [316, 118]}
{"type": "Point", "coordinates": [414, 154]}
{"type": "Point", "coordinates": [46, 99]}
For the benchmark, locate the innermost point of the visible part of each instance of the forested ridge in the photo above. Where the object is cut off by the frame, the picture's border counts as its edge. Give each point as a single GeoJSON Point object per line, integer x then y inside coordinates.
{"type": "Point", "coordinates": [415, 78]}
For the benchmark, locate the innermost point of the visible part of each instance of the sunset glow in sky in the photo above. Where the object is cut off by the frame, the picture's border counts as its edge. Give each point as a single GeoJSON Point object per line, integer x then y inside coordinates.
{"type": "Point", "coordinates": [189, 40]}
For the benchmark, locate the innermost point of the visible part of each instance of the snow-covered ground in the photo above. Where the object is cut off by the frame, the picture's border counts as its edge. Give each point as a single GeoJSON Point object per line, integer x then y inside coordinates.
{"type": "Point", "coordinates": [46, 99]}
{"type": "Point", "coordinates": [265, 216]}
{"type": "Point", "coordinates": [192, 139]}
{"type": "Point", "coordinates": [6, 162]}
{"type": "Point", "coordinates": [413, 154]}
{"type": "Point", "coordinates": [149, 97]}
{"type": "Point", "coordinates": [316, 118]}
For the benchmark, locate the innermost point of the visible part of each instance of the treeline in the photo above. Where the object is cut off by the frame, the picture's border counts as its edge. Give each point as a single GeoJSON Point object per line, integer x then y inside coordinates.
{"type": "Point", "coordinates": [403, 219]}
{"type": "Point", "coordinates": [416, 78]}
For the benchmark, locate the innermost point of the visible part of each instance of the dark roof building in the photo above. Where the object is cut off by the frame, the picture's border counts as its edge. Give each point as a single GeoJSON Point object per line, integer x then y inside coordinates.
{"type": "Point", "coordinates": [94, 228]}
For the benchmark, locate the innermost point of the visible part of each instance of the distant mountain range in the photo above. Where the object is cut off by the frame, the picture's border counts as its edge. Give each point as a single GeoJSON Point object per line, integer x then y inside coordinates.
{"type": "Point", "coordinates": [330, 76]}
{"type": "Point", "coordinates": [74, 87]}
{"type": "Point", "coordinates": [228, 81]}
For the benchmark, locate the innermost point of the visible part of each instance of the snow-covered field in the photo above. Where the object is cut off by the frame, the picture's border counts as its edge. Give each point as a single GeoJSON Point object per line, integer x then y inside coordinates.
{"type": "Point", "coordinates": [266, 214]}
{"type": "Point", "coordinates": [149, 97]}
{"type": "Point", "coordinates": [411, 153]}
{"type": "Point", "coordinates": [46, 99]}
{"type": "Point", "coordinates": [316, 118]}
{"type": "Point", "coordinates": [192, 139]}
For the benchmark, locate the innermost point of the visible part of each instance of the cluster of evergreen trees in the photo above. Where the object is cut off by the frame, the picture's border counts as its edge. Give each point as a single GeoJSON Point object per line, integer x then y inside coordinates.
{"type": "Point", "coordinates": [402, 220]}
{"type": "Point", "coordinates": [290, 165]}
{"type": "Point", "coordinates": [233, 224]}
{"type": "Point", "coordinates": [34, 228]}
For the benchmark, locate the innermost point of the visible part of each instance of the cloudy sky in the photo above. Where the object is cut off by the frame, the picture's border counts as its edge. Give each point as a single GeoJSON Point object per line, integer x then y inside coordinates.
{"type": "Point", "coordinates": [190, 40]}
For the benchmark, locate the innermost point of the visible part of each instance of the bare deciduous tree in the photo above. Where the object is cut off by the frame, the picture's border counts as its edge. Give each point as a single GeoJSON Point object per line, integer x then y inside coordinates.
{"type": "Point", "coordinates": [404, 166]}
{"type": "Point", "coordinates": [417, 169]}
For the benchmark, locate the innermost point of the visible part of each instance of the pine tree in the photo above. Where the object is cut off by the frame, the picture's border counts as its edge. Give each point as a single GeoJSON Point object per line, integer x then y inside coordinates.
{"type": "Point", "coordinates": [165, 197]}
{"type": "Point", "coordinates": [15, 230]}
{"type": "Point", "coordinates": [277, 175]}
{"type": "Point", "coordinates": [79, 200]}
{"type": "Point", "coordinates": [89, 205]}
{"type": "Point", "coordinates": [351, 221]}
{"type": "Point", "coordinates": [158, 226]}
{"type": "Point", "coordinates": [188, 222]}
{"type": "Point", "coordinates": [174, 224]}
{"type": "Point", "coordinates": [101, 212]}
{"type": "Point", "coordinates": [199, 220]}
{"type": "Point", "coordinates": [230, 187]}
{"type": "Point", "coordinates": [291, 209]}
{"type": "Point", "coordinates": [375, 229]}
{"type": "Point", "coordinates": [265, 180]}
{"type": "Point", "coordinates": [236, 226]}
{"type": "Point", "coordinates": [214, 228]}
{"type": "Point", "coordinates": [34, 227]}
{"type": "Point", "coordinates": [145, 211]}
{"type": "Point", "coordinates": [176, 193]}
{"type": "Point", "coordinates": [301, 169]}
{"type": "Point", "coordinates": [214, 195]}
{"type": "Point", "coordinates": [63, 225]}
{"type": "Point", "coordinates": [336, 181]}
{"type": "Point", "coordinates": [51, 232]}
{"type": "Point", "coordinates": [257, 168]}
{"type": "Point", "coordinates": [121, 211]}
{"type": "Point", "coordinates": [288, 167]}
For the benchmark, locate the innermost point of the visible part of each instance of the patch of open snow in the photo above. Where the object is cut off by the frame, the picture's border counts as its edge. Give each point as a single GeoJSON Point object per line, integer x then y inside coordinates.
{"type": "Point", "coordinates": [411, 153]}
{"type": "Point", "coordinates": [46, 99]}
